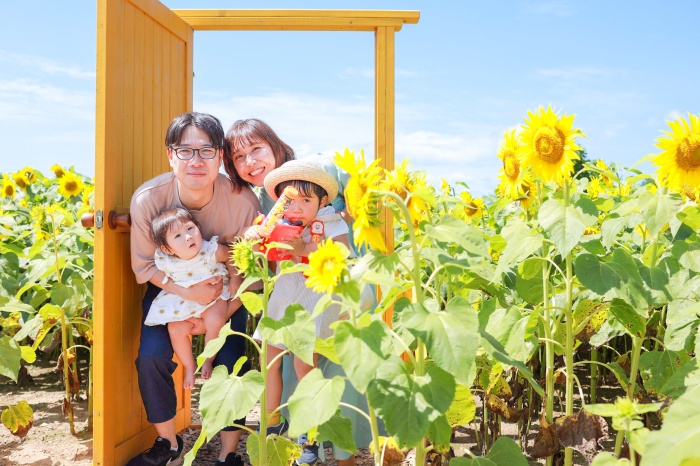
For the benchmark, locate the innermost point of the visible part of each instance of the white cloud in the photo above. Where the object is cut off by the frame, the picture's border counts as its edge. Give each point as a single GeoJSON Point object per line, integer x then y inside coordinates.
{"type": "Point", "coordinates": [314, 125]}
{"type": "Point", "coordinates": [673, 115]}
{"type": "Point", "coordinates": [554, 8]}
{"type": "Point", "coordinates": [575, 73]}
{"type": "Point", "coordinates": [367, 73]}
{"type": "Point", "coordinates": [23, 99]}
{"type": "Point", "coordinates": [45, 65]}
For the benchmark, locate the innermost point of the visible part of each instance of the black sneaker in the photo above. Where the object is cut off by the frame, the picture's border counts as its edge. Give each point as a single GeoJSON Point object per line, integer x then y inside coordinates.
{"type": "Point", "coordinates": [232, 459]}
{"type": "Point", "coordinates": [159, 454]}
{"type": "Point", "coordinates": [309, 454]}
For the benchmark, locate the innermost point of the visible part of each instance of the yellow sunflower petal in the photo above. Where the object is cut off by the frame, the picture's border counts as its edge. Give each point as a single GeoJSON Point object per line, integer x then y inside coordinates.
{"type": "Point", "coordinates": [70, 185]}
{"type": "Point", "coordinates": [327, 265]}
{"type": "Point", "coordinates": [549, 144]}
{"type": "Point", "coordinates": [679, 163]}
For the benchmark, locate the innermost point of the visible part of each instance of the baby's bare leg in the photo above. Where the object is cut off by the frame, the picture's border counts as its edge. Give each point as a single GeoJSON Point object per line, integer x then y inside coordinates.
{"type": "Point", "coordinates": [182, 345]}
{"type": "Point", "coordinates": [214, 318]}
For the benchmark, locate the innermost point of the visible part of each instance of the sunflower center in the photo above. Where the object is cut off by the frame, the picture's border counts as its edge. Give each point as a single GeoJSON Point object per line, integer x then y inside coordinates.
{"type": "Point", "coordinates": [9, 190]}
{"type": "Point", "coordinates": [511, 167]}
{"type": "Point", "coordinates": [471, 209]}
{"type": "Point", "coordinates": [71, 186]}
{"type": "Point", "coordinates": [549, 144]}
{"type": "Point", "coordinates": [688, 152]}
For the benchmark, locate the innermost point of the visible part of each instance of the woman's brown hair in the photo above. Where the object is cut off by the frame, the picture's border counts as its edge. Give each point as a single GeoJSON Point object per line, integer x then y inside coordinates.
{"type": "Point", "coordinates": [250, 131]}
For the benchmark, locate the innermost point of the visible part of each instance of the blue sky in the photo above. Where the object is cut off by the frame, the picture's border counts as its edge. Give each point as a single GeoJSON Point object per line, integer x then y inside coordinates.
{"type": "Point", "coordinates": [466, 73]}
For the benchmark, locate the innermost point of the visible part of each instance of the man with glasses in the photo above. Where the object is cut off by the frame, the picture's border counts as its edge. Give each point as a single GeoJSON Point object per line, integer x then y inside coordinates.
{"type": "Point", "coordinates": [194, 143]}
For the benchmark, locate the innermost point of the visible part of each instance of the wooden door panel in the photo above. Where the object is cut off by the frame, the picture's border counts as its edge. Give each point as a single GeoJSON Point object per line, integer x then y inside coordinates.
{"type": "Point", "coordinates": [144, 79]}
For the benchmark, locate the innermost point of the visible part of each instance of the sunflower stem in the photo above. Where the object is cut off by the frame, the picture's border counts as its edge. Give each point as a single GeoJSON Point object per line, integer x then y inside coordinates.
{"type": "Point", "coordinates": [569, 351]}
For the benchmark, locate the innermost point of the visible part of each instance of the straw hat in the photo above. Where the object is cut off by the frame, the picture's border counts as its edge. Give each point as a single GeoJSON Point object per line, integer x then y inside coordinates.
{"type": "Point", "coordinates": [306, 170]}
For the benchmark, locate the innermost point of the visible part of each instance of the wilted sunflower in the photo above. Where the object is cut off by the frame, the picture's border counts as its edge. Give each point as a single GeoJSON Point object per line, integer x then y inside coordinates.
{"type": "Point", "coordinates": [58, 170]}
{"type": "Point", "coordinates": [549, 146]}
{"type": "Point", "coordinates": [362, 203]}
{"type": "Point", "coordinates": [70, 184]}
{"type": "Point", "coordinates": [412, 188]}
{"type": "Point", "coordinates": [327, 264]}
{"type": "Point", "coordinates": [8, 187]}
{"type": "Point", "coordinates": [679, 163]}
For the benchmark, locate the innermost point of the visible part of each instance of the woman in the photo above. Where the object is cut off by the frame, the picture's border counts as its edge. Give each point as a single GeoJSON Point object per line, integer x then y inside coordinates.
{"type": "Point", "coordinates": [253, 150]}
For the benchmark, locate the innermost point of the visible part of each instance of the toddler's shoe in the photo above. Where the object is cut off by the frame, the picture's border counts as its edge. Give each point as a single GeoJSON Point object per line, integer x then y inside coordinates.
{"type": "Point", "coordinates": [309, 454]}
{"type": "Point", "coordinates": [277, 429]}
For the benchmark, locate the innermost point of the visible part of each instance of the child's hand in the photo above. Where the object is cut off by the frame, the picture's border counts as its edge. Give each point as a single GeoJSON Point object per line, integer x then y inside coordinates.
{"type": "Point", "coordinates": [297, 244]}
{"type": "Point", "coordinates": [253, 233]}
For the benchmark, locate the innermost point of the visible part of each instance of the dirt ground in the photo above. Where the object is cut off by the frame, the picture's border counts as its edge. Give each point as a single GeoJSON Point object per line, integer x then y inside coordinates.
{"type": "Point", "coordinates": [50, 443]}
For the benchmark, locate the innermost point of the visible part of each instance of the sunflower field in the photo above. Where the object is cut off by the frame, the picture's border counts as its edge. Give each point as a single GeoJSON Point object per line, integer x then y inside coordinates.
{"type": "Point", "coordinates": [567, 305]}
{"type": "Point", "coordinates": [46, 275]}
{"type": "Point", "coordinates": [565, 308]}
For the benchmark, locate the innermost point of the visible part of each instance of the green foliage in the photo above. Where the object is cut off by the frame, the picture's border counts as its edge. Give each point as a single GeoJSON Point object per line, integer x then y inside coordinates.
{"type": "Point", "coordinates": [504, 452]}
{"type": "Point", "coordinates": [46, 267]}
{"type": "Point", "coordinates": [676, 443]}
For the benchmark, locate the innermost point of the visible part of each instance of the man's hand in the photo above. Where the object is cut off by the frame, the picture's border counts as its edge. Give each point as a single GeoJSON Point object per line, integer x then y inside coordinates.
{"type": "Point", "coordinates": [253, 233]}
{"type": "Point", "coordinates": [206, 291]}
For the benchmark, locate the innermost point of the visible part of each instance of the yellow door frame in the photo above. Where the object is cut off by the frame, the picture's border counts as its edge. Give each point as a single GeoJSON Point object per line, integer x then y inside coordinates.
{"type": "Point", "coordinates": [144, 79]}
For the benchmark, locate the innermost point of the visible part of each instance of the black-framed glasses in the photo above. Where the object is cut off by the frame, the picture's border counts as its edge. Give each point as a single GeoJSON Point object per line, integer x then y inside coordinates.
{"type": "Point", "coordinates": [186, 153]}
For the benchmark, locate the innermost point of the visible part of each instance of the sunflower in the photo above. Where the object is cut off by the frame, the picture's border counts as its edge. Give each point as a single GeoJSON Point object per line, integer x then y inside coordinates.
{"type": "Point", "coordinates": [549, 146]}
{"type": "Point", "coordinates": [511, 174]}
{"type": "Point", "coordinates": [528, 190]}
{"type": "Point", "coordinates": [243, 257]}
{"type": "Point", "coordinates": [362, 202]}
{"type": "Point", "coordinates": [8, 187]}
{"type": "Point", "coordinates": [30, 174]}
{"type": "Point", "coordinates": [594, 187]}
{"type": "Point", "coordinates": [445, 188]}
{"type": "Point", "coordinates": [85, 195]}
{"type": "Point", "coordinates": [412, 188]}
{"type": "Point", "coordinates": [473, 207]}
{"type": "Point", "coordinates": [327, 265]}
{"type": "Point", "coordinates": [70, 185]}
{"type": "Point", "coordinates": [679, 163]}
{"type": "Point", "coordinates": [38, 216]}
{"type": "Point", "coordinates": [58, 170]}
{"type": "Point", "coordinates": [20, 180]}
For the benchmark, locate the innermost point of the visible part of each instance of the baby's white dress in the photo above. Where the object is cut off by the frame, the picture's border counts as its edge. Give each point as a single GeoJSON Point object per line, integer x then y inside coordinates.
{"type": "Point", "coordinates": [169, 307]}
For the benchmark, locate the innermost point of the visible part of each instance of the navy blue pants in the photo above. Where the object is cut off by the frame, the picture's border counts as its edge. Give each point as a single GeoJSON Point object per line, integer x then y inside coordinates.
{"type": "Point", "coordinates": [155, 365]}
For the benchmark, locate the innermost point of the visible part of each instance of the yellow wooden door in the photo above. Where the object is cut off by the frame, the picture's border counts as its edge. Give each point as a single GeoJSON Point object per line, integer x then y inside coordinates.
{"type": "Point", "coordinates": [144, 79]}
